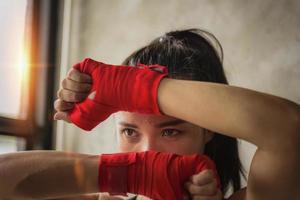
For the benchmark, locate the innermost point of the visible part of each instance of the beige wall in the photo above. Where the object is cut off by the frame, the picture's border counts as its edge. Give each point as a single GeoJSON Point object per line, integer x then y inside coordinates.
{"type": "Point", "coordinates": [261, 41]}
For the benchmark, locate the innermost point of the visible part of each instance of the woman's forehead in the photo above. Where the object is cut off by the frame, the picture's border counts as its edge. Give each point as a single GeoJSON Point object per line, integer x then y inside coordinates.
{"type": "Point", "coordinates": [137, 117]}
{"type": "Point", "coordinates": [158, 121]}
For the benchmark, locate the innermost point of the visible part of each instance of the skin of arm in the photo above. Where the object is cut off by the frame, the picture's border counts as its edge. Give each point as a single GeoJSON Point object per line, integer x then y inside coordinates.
{"type": "Point", "coordinates": [47, 174]}
{"type": "Point", "coordinates": [271, 123]}
{"type": "Point", "coordinates": [81, 197]}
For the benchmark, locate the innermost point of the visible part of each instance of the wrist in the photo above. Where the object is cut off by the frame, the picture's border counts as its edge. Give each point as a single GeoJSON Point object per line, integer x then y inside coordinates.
{"type": "Point", "coordinates": [163, 96]}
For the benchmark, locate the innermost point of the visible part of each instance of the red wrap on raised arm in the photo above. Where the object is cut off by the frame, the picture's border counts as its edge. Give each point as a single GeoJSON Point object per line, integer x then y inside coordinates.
{"type": "Point", "coordinates": [118, 88]}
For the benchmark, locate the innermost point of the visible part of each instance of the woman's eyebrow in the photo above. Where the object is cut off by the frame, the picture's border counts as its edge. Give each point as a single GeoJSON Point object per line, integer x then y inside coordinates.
{"type": "Point", "coordinates": [128, 125]}
{"type": "Point", "coordinates": [170, 123]}
{"type": "Point", "coordinates": [163, 124]}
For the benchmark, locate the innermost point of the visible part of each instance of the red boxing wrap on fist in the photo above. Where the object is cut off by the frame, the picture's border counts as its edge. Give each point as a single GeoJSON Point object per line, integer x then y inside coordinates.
{"type": "Point", "coordinates": [118, 88]}
{"type": "Point", "coordinates": [160, 176]}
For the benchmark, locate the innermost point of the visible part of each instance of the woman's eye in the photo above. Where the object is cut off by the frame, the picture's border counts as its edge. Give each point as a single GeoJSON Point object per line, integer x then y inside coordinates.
{"type": "Point", "coordinates": [170, 132]}
{"type": "Point", "coordinates": [129, 132]}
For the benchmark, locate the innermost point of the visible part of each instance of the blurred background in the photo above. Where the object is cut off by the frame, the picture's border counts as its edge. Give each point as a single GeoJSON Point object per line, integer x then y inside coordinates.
{"type": "Point", "coordinates": [42, 39]}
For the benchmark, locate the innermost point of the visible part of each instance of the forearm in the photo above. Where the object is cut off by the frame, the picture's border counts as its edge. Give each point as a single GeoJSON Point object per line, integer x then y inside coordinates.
{"type": "Point", "coordinates": [81, 197]}
{"type": "Point", "coordinates": [237, 112]}
{"type": "Point", "coordinates": [44, 174]}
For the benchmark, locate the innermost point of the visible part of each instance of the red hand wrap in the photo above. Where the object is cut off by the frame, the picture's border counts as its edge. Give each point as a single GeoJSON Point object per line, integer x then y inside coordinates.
{"type": "Point", "coordinates": [156, 175]}
{"type": "Point", "coordinates": [118, 88]}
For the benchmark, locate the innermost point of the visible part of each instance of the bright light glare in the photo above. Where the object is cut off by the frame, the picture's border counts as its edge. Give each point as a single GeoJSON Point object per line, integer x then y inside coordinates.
{"type": "Point", "coordinates": [13, 58]}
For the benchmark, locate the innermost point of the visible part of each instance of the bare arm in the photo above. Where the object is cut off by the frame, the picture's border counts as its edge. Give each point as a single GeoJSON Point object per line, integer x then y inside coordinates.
{"type": "Point", "coordinates": [47, 174]}
{"type": "Point", "coordinates": [270, 122]}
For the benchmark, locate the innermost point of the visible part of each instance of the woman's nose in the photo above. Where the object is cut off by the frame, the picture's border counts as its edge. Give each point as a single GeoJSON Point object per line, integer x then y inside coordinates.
{"type": "Point", "coordinates": [151, 144]}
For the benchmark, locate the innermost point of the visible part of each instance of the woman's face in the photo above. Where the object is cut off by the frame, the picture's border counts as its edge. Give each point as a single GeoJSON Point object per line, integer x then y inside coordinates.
{"type": "Point", "coordinates": [141, 132]}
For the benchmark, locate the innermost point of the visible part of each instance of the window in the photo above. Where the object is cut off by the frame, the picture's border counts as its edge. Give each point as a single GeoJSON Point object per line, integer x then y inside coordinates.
{"type": "Point", "coordinates": [29, 39]}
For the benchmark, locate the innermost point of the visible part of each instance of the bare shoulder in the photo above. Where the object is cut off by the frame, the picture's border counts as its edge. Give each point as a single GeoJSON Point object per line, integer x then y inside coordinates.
{"type": "Point", "coordinates": [239, 195]}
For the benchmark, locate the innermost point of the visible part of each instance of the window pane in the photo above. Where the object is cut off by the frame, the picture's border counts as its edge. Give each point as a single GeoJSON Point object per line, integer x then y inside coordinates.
{"type": "Point", "coordinates": [12, 57]}
{"type": "Point", "coordinates": [10, 144]}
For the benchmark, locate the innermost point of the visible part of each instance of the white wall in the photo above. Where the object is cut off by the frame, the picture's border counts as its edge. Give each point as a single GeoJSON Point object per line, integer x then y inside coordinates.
{"type": "Point", "coordinates": [261, 41]}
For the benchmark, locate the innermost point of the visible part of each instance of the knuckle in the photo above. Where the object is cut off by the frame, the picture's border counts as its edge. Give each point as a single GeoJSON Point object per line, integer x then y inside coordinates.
{"type": "Point", "coordinates": [198, 190]}
{"type": "Point", "coordinates": [56, 104]}
{"type": "Point", "coordinates": [66, 95]}
{"type": "Point", "coordinates": [198, 180]}
{"type": "Point", "coordinates": [79, 87]}
{"type": "Point", "coordinates": [72, 86]}
{"type": "Point", "coordinates": [70, 73]}
{"type": "Point", "coordinates": [73, 75]}
{"type": "Point", "coordinates": [196, 177]}
{"type": "Point", "coordinates": [208, 172]}
{"type": "Point", "coordinates": [64, 83]}
{"type": "Point", "coordinates": [59, 93]}
{"type": "Point", "coordinates": [61, 105]}
{"type": "Point", "coordinates": [81, 77]}
{"type": "Point", "coordinates": [195, 190]}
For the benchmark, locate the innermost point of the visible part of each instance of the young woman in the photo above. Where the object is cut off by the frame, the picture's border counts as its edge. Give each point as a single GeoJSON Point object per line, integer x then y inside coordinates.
{"type": "Point", "coordinates": [202, 114]}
